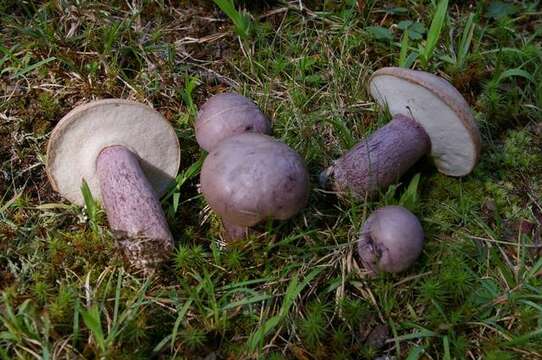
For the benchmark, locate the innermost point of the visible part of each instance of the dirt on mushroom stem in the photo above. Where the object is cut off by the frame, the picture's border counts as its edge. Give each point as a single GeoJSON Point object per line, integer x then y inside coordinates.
{"type": "Point", "coordinates": [133, 210]}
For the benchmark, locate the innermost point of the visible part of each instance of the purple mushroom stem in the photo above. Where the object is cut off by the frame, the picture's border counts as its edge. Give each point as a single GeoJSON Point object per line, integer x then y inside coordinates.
{"type": "Point", "coordinates": [381, 159]}
{"type": "Point", "coordinates": [234, 232]}
{"type": "Point", "coordinates": [133, 209]}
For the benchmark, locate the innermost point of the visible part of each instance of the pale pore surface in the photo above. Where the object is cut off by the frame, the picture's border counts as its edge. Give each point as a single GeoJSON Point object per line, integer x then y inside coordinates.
{"type": "Point", "coordinates": [80, 136]}
{"type": "Point", "coordinates": [452, 146]}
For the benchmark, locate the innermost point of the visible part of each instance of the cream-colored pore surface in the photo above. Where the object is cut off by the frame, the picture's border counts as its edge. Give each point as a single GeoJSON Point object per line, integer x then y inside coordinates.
{"type": "Point", "coordinates": [82, 134]}
{"type": "Point", "coordinates": [452, 146]}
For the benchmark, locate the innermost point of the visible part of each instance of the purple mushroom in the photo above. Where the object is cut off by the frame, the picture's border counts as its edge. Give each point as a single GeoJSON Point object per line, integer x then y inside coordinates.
{"type": "Point", "coordinates": [429, 117]}
{"type": "Point", "coordinates": [391, 240]}
{"type": "Point", "coordinates": [227, 114]}
{"type": "Point", "coordinates": [128, 154]}
{"type": "Point", "coordinates": [251, 177]}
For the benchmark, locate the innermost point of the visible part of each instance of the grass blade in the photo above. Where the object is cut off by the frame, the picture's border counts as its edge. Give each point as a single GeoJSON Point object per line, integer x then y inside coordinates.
{"type": "Point", "coordinates": [409, 198]}
{"type": "Point", "coordinates": [240, 20]}
{"type": "Point", "coordinates": [514, 73]}
{"type": "Point", "coordinates": [91, 206]}
{"type": "Point", "coordinates": [404, 49]}
{"type": "Point", "coordinates": [252, 300]}
{"type": "Point", "coordinates": [32, 67]}
{"type": "Point", "coordinates": [180, 180]}
{"type": "Point", "coordinates": [345, 135]}
{"type": "Point", "coordinates": [190, 85]}
{"type": "Point", "coordinates": [294, 289]}
{"type": "Point", "coordinates": [91, 318]}
{"type": "Point", "coordinates": [75, 328]}
{"type": "Point", "coordinates": [434, 31]}
{"type": "Point", "coordinates": [466, 40]}
{"type": "Point", "coordinates": [416, 352]}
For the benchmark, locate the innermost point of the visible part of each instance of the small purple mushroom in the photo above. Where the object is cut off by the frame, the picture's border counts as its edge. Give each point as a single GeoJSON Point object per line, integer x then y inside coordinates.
{"type": "Point", "coordinates": [391, 240]}
{"type": "Point", "coordinates": [227, 114]}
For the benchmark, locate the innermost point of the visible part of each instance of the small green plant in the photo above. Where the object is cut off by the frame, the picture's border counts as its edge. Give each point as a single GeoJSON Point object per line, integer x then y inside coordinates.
{"type": "Point", "coordinates": [241, 20]}
{"type": "Point", "coordinates": [93, 315]}
{"type": "Point", "coordinates": [175, 192]}
{"type": "Point", "coordinates": [460, 53]}
{"type": "Point", "coordinates": [191, 83]}
{"type": "Point", "coordinates": [111, 35]}
{"type": "Point", "coordinates": [354, 311]}
{"type": "Point", "coordinates": [23, 330]}
{"type": "Point", "coordinates": [432, 290]}
{"type": "Point", "coordinates": [257, 338]}
{"type": "Point", "coordinates": [92, 208]}
{"type": "Point", "coordinates": [500, 9]}
{"type": "Point", "coordinates": [403, 54]}
{"type": "Point", "coordinates": [234, 259]}
{"type": "Point", "coordinates": [313, 326]}
{"type": "Point", "coordinates": [20, 67]}
{"type": "Point", "coordinates": [415, 30]}
{"type": "Point", "coordinates": [41, 291]}
{"type": "Point", "coordinates": [409, 198]}
{"type": "Point", "coordinates": [92, 319]}
{"type": "Point", "coordinates": [516, 152]}
{"type": "Point", "coordinates": [380, 33]}
{"type": "Point", "coordinates": [183, 258]}
{"type": "Point", "coordinates": [61, 307]}
{"type": "Point", "coordinates": [188, 257]}
{"type": "Point", "coordinates": [343, 132]}
{"type": "Point", "coordinates": [193, 338]}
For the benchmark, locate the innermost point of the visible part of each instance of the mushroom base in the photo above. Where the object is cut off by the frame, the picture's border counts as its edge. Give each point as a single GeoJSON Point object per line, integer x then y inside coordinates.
{"type": "Point", "coordinates": [380, 160]}
{"type": "Point", "coordinates": [133, 210]}
{"type": "Point", "coordinates": [234, 232]}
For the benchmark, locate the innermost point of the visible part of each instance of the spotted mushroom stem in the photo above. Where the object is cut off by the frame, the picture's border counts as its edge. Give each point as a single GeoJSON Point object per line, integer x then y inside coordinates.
{"type": "Point", "coordinates": [133, 210]}
{"type": "Point", "coordinates": [380, 160]}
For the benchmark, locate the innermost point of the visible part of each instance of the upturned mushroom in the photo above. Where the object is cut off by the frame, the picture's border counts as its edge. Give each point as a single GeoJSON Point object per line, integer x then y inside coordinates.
{"type": "Point", "coordinates": [128, 154]}
{"type": "Point", "coordinates": [227, 114]}
{"type": "Point", "coordinates": [251, 177]}
{"type": "Point", "coordinates": [391, 240]}
{"type": "Point", "coordinates": [429, 117]}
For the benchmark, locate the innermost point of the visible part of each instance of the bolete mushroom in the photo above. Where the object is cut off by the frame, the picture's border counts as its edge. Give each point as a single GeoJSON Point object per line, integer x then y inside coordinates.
{"type": "Point", "coordinates": [429, 117]}
{"type": "Point", "coordinates": [227, 114]}
{"type": "Point", "coordinates": [128, 154]}
{"type": "Point", "coordinates": [251, 177]}
{"type": "Point", "coordinates": [391, 240]}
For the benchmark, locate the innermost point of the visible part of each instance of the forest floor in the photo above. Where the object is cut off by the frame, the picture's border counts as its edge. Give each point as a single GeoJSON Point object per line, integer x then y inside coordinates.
{"type": "Point", "coordinates": [295, 290]}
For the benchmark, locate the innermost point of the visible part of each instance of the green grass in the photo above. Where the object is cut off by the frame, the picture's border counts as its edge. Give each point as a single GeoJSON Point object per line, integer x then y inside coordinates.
{"type": "Point", "coordinates": [294, 290]}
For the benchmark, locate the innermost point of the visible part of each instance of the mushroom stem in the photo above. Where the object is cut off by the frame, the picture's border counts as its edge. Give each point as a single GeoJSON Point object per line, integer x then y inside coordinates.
{"type": "Point", "coordinates": [379, 160]}
{"type": "Point", "coordinates": [234, 232]}
{"type": "Point", "coordinates": [133, 210]}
